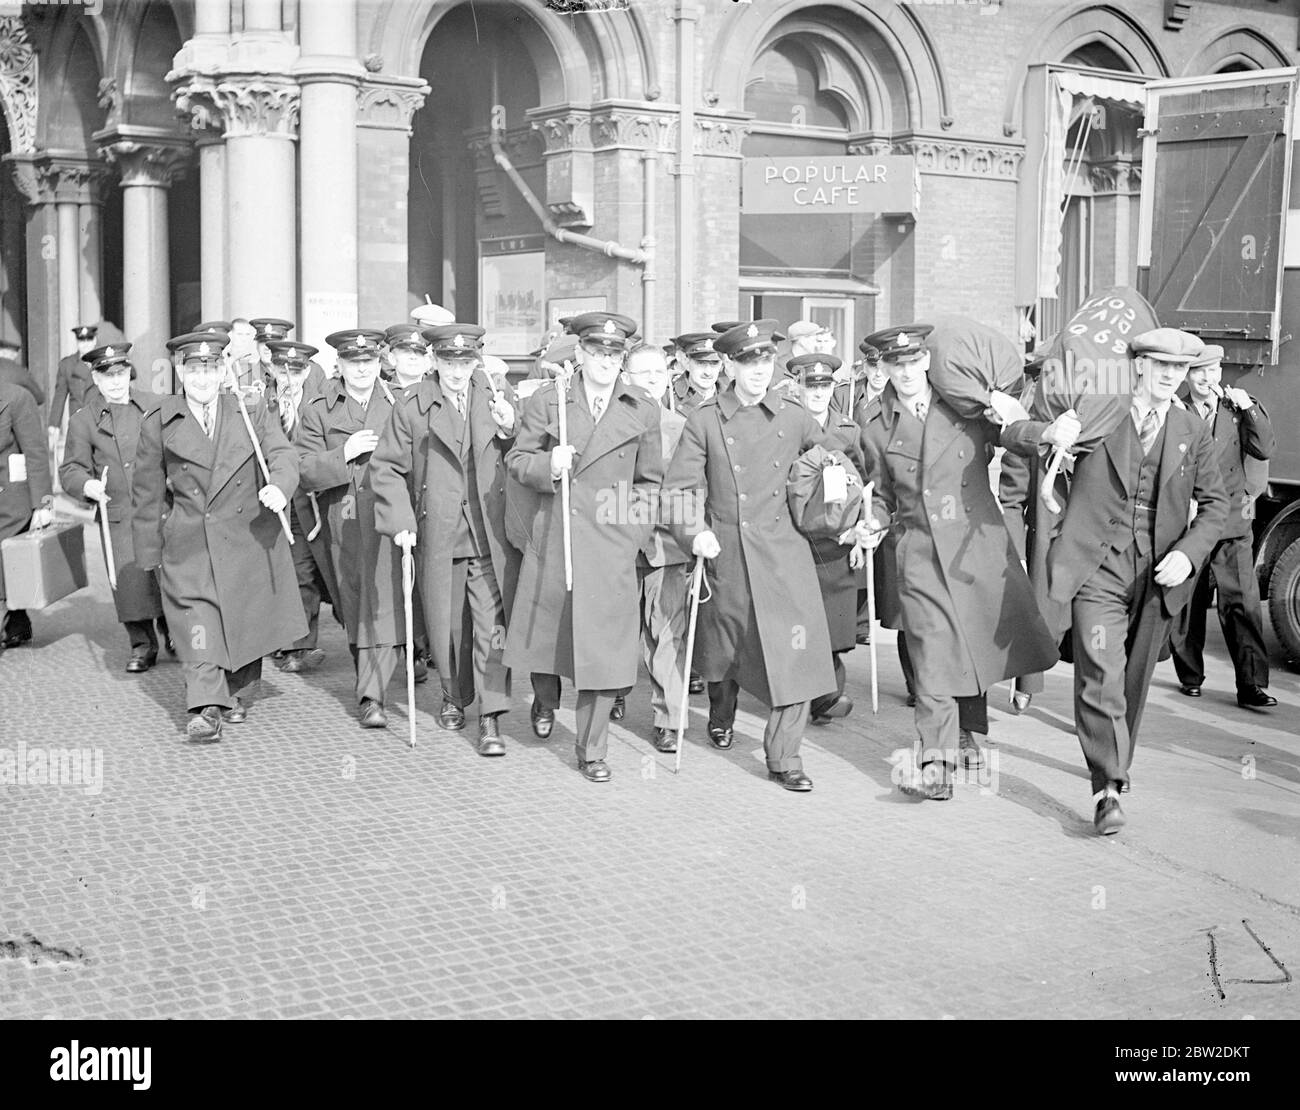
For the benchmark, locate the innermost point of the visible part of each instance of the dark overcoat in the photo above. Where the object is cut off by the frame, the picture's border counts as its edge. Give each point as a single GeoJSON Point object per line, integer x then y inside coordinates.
{"type": "Point", "coordinates": [1100, 506]}
{"type": "Point", "coordinates": [21, 433]}
{"type": "Point", "coordinates": [591, 635]}
{"type": "Point", "coordinates": [102, 435]}
{"type": "Point", "coordinates": [229, 590]}
{"type": "Point", "coordinates": [418, 458]}
{"type": "Point", "coordinates": [884, 561]}
{"type": "Point", "coordinates": [765, 625]}
{"type": "Point", "coordinates": [1239, 438]}
{"type": "Point", "coordinates": [967, 605]}
{"type": "Point", "coordinates": [838, 580]}
{"type": "Point", "coordinates": [72, 384]}
{"type": "Point", "coordinates": [362, 566]}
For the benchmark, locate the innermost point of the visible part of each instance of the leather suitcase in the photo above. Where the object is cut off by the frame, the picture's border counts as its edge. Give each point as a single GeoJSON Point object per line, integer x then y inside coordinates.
{"type": "Point", "coordinates": [43, 567]}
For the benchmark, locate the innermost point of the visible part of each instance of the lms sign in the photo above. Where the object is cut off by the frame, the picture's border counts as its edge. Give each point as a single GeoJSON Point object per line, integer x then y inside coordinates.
{"type": "Point", "coordinates": [810, 186]}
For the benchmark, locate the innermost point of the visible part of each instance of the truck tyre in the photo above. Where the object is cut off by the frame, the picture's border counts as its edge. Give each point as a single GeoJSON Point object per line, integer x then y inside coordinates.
{"type": "Point", "coordinates": [1284, 599]}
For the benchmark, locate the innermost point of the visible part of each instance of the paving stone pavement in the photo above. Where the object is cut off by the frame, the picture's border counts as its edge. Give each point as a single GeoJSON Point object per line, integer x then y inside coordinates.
{"type": "Point", "coordinates": [304, 868]}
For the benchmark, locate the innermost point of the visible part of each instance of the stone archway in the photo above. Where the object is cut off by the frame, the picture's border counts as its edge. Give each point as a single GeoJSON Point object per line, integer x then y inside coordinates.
{"type": "Point", "coordinates": [1239, 47]}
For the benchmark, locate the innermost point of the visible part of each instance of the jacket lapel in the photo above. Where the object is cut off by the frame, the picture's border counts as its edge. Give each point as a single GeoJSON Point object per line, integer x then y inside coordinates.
{"type": "Point", "coordinates": [942, 427]}
{"type": "Point", "coordinates": [618, 424]}
{"type": "Point", "coordinates": [186, 439]}
{"type": "Point", "coordinates": [233, 447]}
{"type": "Point", "coordinates": [1178, 431]}
{"type": "Point", "coordinates": [1118, 446]}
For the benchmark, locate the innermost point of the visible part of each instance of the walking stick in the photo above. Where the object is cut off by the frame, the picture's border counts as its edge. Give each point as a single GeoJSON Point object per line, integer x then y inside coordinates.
{"type": "Point", "coordinates": [408, 591]}
{"type": "Point", "coordinates": [871, 607]}
{"type": "Point", "coordinates": [1046, 491]}
{"type": "Point", "coordinates": [562, 390]}
{"type": "Point", "coordinates": [697, 578]}
{"type": "Point", "coordinates": [108, 536]}
{"type": "Point", "coordinates": [315, 508]}
{"type": "Point", "coordinates": [261, 460]}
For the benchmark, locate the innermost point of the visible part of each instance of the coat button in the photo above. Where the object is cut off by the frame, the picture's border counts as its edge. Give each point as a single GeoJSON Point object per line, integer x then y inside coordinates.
{"type": "Point", "coordinates": [780, 434]}
{"type": "Point", "coordinates": [736, 468]}
{"type": "Point", "coordinates": [933, 516]}
{"type": "Point", "coordinates": [240, 509]}
{"type": "Point", "coordinates": [744, 497]}
{"type": "Point", "coordinates": [961, 454]}
{"type": "Point", "coordinates": [926, 493]}
{"type": "Point", "coordinates": [731, 439]}
{"type": "Point", "coordinates": [744, 524]}
{"type": "Point", "coordinates": [963, 483]}
{"type": "Point", "coordinates": [185, 466]}
{"type": "Point", "coordinates": [911, 469]}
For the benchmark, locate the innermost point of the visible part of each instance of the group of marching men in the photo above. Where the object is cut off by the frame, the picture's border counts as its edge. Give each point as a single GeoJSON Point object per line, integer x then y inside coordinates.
{"type": "Point", "coordinates": [555, 527]}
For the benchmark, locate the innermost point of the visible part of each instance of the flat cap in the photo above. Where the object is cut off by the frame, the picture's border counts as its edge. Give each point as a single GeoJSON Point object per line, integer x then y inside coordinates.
{"type": "Point", "coordinates": [431, 315]}
{"type": "Point", "coordinates": [1210, 354]}
{"type": "Point", "coordinates": [901, 343]}
{"type": "Point", "coordinates": [813, 369]}
{"type": "Point", "coordinates": [749, 339]}
{"type": "Point", "coordinates": [804, 329]}
{"type": "Point", "coordinates": [1167, 345]}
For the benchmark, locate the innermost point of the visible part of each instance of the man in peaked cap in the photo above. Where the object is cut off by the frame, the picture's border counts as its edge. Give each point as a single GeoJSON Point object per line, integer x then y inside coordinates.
{"type": "Point", "coordinates": [294, 381]}
{"type": "Point", "coordinates": [73, 379]}
{"type": "Point", "coordinates": [1242, 432]}
{"type": "Point", "coordinates": [614, 448]}
{"type": "Point", "coordinates": [409, 351]}
{"type": "Point", "coordinates": [960, 583]}
{"type": "Point", "coordinates": [701, 365]}
{"type": "Point", "coordinates": [439, 484]}
{"type": "Point", "coordinates": [764, 630]}
{"type": "Point", "coordinates": [1125, 558]}
{"type": "Point", "coordinates": [104, 434]}
{"type": "Point", "coordinates": [268, 329]}
{"type": "Point", "coordinates": [15, 373]}
{"type": "Point", "coordinates": [225, 568]}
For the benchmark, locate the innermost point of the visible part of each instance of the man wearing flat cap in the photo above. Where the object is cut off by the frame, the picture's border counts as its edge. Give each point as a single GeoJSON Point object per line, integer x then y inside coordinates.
{"type": "Point", "coordinates": [206, 517]}
{"type": "Point", "coordinates": [701, 365]}
{"type": "Point", "coordinates": [438, 477]}
{"type": "Point", "coordinates": [73, 379]}
{"type": "Point", "coordinates": [104, 435]}
{"type": "Point", "coordinates": [764, 629]}
{"type": "Point", "coordinates": [965, 603]}
{"type": "Point", "coordinates": [614, 458]}
{"type": "Point", "coordinates": [1242, 433]}
{"type": "Point", "coordinates": [1125, 558]}
{"type": "Point", "coordinates": [293, 381]}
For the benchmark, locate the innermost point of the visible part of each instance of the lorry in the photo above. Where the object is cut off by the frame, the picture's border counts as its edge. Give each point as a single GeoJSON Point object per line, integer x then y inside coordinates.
{"type": "Point", "coordinates": [1219, 255]}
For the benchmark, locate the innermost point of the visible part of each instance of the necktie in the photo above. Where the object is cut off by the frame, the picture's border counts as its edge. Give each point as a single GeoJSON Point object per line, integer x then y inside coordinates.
{"type": "Point", "coordinates": [458, 399]}
{"type": "Point", "coordinates": [1207, 412]}
{"type": "Point", "coordinates": [1149, 430]}
{"type": "Point", "coordinates": [209, 423]}
{"type": "Point", "coordinates": [921, 409]}
{"type": "Point", "coordinates": [597, 407]}
{"type": "Point", "coordinates": [287, 412]}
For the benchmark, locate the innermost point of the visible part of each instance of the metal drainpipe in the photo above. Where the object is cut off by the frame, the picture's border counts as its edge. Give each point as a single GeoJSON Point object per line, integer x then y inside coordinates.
{"type": "Point", "coordinates": [609, 247]}
{"type": "Point", "coordinates": [685, 17]}
{"type": "Point", "coordinates": [650, 164]}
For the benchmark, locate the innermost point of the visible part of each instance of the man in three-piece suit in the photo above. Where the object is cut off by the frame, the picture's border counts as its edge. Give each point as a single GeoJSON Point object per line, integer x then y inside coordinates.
{"type": "Point", "coordinates": [1241, 431]}
{"type": "Point", "coordinates": [1126, 557]}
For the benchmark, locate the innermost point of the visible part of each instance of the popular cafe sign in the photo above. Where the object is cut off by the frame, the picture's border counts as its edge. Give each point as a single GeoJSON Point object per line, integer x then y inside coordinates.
{"type": "Point", "coordinates": [783, 186]}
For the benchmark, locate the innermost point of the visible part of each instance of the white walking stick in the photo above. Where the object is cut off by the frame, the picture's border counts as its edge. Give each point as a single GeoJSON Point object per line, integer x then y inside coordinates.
{"type": "Point", "coordinates": [106, 533]}
{"type": "Point", "coordinates": [261, 461]}
{"type": "Point", "coordinates": [871, 606]}
{"type": "Point", "coordinates": [562, 392]}
{"type": "Point", "coordinates": [697, 578]}
{"type": "Point", "coordinates": [408, 607]}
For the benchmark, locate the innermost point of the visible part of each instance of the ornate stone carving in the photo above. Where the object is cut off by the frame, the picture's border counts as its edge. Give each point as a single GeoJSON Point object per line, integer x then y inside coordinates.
{"type": "Point", "coordinates": [46, 178]}
{"type": "Point", "coordinates": [950, 157]}
{"type": "Point", "coordinates": [18, 84]}
{"type": "Point", "coordinates": [1115, 177]}
{"type": "Point", "coordinates": [245, 104]}
{"type": "Point", "coordinates": [110, 99]}
{"type": "Point", "coordinates": [641, 130]}
{"type": "Point", "coordinates": [720, 138]}
{"type": "Point", "coordinates": [570, 130]}
{"type": "Point", "coordinates": [389, 104]}
{"type": "Point", "coordinates": [144, 163]}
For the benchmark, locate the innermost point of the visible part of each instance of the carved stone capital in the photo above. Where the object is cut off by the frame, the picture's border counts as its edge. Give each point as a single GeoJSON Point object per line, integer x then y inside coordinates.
{"type": "Point", "coordinates": [18, 83]}
{"type": "Point", "coordinates": [147, 163]}
{"type": "Point", "coordinates": [389, 103]}
{"type": "Point", "coordinates": [242, 104]}
{"type": "Point", "coordinates": [720, 136]}
{"type": "Point", "coordinates": [52, 177]}
{"type": "Point", "coordinates": [634, 128]}
{"type": "Point", "coordinates": [564, 130]}
{"type": "Point", "coordinates": [950, 157]}
{"type": "Point", "coordinates": [1120, 177]}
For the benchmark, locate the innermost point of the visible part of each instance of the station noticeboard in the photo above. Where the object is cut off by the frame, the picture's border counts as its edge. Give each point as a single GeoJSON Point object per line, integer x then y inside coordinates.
{"type": "Point", "coordinates": [887, 184]}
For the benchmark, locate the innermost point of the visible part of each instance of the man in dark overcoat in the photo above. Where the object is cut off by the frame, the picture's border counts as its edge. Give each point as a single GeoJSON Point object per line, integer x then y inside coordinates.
{"type": "Point", "coordinates": [614, 457]}
{"type": "Point", "coordinates": [701, 365]}
{"type": "Point", "coordinates": [966, 604]}
{"type": "Point", "coordinates": [72, 380]}
{"type": "Point", "coordinates": [104, 434]}
{"type": "Point", "coordinates": [438, 477]}
{"type": "Point", "coordinates": [1126, 558]}
{"type": "Point", "coordinates": [26, 492]}
{"type": "Point", "coordinates": [207, 519]}
{"type": "Point", "coordinates": [764, 630]}
{"type": "Point", "coordinates": [1242, 431]}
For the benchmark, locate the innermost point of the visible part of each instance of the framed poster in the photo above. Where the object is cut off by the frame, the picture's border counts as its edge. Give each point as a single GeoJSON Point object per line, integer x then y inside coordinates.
{"type": "Point", "coordinates": [571, 306]}
{"type": "Point", "coordinates": [511, 290]}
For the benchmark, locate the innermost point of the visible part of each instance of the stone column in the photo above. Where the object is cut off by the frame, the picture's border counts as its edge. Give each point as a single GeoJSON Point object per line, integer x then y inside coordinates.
{"type": "Point", "coordinates": [148, 170]}
{"type": "Point", "coordinates": [385, 106]}
{"type": "Point", "coordinates": [329, 73]}
{"type": "Point", "coordinates": [213, 257]}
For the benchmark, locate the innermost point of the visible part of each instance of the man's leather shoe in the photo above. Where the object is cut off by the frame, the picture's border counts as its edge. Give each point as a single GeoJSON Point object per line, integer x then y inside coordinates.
{"type": "Point", "coordinates": [141, 662]}
{"type": "Point", "coordinates": [451, 716]}
{"type": "Point", "coordinates": [792, 780]}
{"type": "Point", "coordinates": [372, 714]}
{"type": "Point", "coordinates": [543, 721]}
{"type": "Point", "coordinates": [1190, 691]}
{"type": "Point", "coordinates": [969, 753]}
{"type": "Point", "coordinates": [205, 725]}
{"type": "Point", "coordinates": [720, 737]}
{"type": "Point", "coordinates": [489, 738]}
{"type": "Point", "coordinates": [594, 771]}
{"type": "Point", "coordinates": [1255, 697]}
{"type": "Point", "coordinates": [696, 685]}
{"type": "Point", "coordinates": [665, 740]}
{"type": "Point", "coordinates": [1109, 818]}
{"type": "Point", "coordinates": [16, 639]}
{"type": "Point", "coordinates": [421, 669]}
{"type": "Point", "coordinates": [934, 784]}
{"type": "Point", "coordinates": [840, 707]}
{"type": "Point", "coordinates": [864, 638]}
{"type": "Point", "coordinates": [618, 710]}
{"type": "Point", "coordinates": [236, 715]}
{"type": "Point", "coordinates": [911, 700]}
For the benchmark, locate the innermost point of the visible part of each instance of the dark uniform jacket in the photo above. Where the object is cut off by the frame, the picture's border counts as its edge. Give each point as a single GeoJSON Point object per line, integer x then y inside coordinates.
{"type": "Point", "coordinates": [838, 580]}
{"type": "Point", "coordinates": [14, 373]}
{"type": "Point", "coordinates": [21, 433]}
{"type": "Point", "coordinates": [102, 435]}
{"type": "Point", "coordinates": [72, 385]}
{"type": "Point", "coordinates": [229, 590]}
